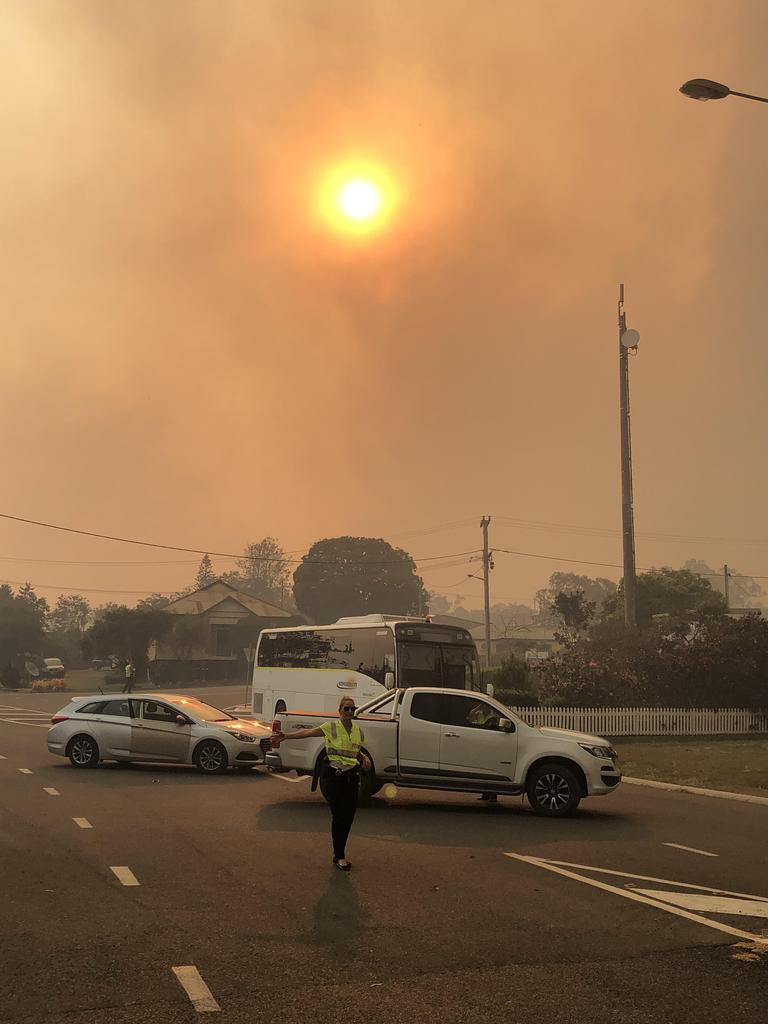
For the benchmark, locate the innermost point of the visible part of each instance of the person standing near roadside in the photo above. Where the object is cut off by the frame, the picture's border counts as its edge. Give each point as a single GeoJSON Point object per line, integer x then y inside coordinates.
{"type": "Point", "coordinates": [344, 758]}
{"type": "Point", "coordinates": [130, 672]}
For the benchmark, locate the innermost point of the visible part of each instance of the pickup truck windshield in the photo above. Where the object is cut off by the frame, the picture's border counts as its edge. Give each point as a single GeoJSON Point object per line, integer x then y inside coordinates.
{"type": "Point", "coordinates": [424, 664]}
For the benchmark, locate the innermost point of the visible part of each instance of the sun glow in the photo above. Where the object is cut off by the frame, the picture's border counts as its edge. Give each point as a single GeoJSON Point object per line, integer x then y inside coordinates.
{"type": "Point", "coordinates": [357, 199]}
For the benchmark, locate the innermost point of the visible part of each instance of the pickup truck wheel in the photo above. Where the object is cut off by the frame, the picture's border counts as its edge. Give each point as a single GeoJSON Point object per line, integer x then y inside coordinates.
{"type": "Point", "coordinates": [553, 790]}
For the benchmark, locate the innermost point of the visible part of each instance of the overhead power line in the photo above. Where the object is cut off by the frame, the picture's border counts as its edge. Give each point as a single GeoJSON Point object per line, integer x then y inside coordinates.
{"type": "Point", "coordinates": [225, 554]}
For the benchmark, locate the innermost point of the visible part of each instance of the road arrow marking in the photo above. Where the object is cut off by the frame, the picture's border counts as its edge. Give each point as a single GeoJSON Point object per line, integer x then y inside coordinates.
{"type": "Point", "coordinates": [562, 868]}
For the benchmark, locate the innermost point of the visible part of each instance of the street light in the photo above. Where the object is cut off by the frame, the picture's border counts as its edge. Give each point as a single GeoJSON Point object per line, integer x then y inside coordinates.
{"type": "Point", "coordinates": [704, 89]}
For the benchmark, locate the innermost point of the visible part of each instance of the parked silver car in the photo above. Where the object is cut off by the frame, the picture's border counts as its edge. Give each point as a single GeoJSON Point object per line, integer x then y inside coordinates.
{"type": "Point", "coordinates": [156, 727]}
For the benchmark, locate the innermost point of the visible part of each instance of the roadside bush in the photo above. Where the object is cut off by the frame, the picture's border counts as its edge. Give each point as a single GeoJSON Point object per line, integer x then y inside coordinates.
{"type": "Point", "coordinates": [517, 698]}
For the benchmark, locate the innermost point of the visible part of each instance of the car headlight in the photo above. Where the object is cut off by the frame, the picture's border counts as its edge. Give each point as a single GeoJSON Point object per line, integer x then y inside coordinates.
{"type": "Point", "coordinates": [608, 752]}
{"type": "Point", "coordinates": [244, 737]}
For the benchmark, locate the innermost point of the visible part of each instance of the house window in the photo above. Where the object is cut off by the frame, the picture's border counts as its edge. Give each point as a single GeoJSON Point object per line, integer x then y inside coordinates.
{"type": "Point", "coordinates": [222, 641]}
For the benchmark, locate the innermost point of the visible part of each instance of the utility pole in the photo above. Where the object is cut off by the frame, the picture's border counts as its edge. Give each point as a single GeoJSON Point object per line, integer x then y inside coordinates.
{"type": "Point", "coordinates": [487, 566]}
{"type": "Point", "coordinates": [726, 577]}
{"type": "Point", "coordinates": [628, 339]}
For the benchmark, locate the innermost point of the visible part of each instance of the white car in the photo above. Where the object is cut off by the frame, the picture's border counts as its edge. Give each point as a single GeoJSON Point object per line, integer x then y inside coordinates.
{"type": "Point", "coordinates": [462, 742]}
{"type": "Point", "coordinates": [155, 727]}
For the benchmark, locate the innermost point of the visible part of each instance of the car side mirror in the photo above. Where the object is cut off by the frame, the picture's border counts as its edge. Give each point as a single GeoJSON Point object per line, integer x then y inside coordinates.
{"type": "Point", "coordinates": [389, 680]}
{"type": "Point", "coordinates": [490, 689]}
{"type": "Point", "coordinates": [506, 725]}
{"type": "Point", "coordinates": [181, 720]}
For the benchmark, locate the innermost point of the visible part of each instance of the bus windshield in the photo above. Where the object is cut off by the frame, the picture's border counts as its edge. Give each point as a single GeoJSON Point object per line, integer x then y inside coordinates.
{"type": "Point", "coordinates": [451, 665]}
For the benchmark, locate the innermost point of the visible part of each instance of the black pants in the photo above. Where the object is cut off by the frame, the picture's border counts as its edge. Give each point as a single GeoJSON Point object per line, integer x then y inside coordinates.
{"type": "Point", "coordinates": [342, 796]}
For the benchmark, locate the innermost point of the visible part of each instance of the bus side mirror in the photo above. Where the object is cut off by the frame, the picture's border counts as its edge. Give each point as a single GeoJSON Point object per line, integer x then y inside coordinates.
{"type": "Point", "coordinates": [389, 680]}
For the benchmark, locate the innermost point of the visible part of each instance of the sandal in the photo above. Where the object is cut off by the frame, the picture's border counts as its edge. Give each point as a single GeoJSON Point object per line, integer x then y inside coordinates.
{"type": "Point", "coordinates": [342, 867]}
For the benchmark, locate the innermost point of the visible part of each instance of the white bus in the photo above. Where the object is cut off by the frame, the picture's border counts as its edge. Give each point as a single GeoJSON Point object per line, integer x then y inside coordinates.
{"type": "Point", "coordinates": [308, 668]}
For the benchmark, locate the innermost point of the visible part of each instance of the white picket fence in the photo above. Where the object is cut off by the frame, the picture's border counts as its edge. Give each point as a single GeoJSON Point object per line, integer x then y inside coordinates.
{"type": "Point", "coordinates": [651, 721]}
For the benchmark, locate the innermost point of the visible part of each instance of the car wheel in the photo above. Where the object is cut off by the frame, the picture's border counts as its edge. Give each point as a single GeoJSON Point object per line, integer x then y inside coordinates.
{"type": "Point", "coordinates": [211, 758]}
{"type": "Point", "coordinates": [553, 790]}
{"type": "Point", "coordinates": [83, 752]}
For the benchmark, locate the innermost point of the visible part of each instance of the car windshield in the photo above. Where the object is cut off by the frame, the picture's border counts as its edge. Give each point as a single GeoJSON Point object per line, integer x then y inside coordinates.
{"type": "Point", "coordinates": [205, 712]}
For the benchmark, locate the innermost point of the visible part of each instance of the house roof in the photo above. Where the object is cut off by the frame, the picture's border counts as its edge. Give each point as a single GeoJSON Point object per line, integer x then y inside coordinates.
{"type": "Point", "coordinates": [209, 597]}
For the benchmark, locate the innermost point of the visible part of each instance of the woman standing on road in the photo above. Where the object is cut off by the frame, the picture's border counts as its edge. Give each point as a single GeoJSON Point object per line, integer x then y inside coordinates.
{"type": "Point", "coordinates": [344, 758]}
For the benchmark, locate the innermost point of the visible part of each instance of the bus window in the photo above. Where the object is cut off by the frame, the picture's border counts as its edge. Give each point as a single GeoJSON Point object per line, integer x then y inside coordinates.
{"type": "Point", "coordinates": [368, 651]}
{"type": "Point", "coordinates": [420, 665]}
{"type": "Point", "coordinates": [460, 668]}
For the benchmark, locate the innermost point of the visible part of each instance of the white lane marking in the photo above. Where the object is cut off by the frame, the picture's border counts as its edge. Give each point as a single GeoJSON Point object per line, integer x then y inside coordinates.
{"type": "Point", "coordinates": [691, 849]}
{"type": "Point", "coordinates": [720, 794]}
{"type": "Point", "coordinates": [51, 791]}
{"type": "Point", "coordinates": [26, 771]}
{"type": "Point", "coordinates": [709, 904]}
{"type": "Point", "coordinates": [125, 875]}
{"type": "Point", "coordinates": [638, 897]}
{"type": "Point", "coordinates": [3, 757]}
{"type": "Point", "coordinates": [82, 823]}
{"type": "Point", "coordinates": [199, 994]}
{"type": "Point", "coordinates": [284, 778]}
{"type": "Point", "coordinates": [13, 721]}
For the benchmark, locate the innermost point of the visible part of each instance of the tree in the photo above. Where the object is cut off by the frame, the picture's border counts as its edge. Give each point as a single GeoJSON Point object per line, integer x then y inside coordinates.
{"type": "Point", "coordinates": [71, 614]}
{"type": "Point", "coordinates": [128, 632]}
{"type": "Point", "coordinates": [154, 602]}
{"type": "Point", "coordinates": [187, 634]}
{"type": "Point", "coordinates": [22, 622]}
{"type": "Point", "coordinates": [574, 612]}
{"type": "Point", "coordinates": [355, 576]}
{"type": "Point", "coordinates": [205, 573]}
{"type": "Point", "coordinates": [681, 595]}
{"type": "Point", "coordinates": [27, 593]}
{"type": "Point", "coordinates": [744, 591]}
{"type": "Point", "coordinates": [263, 571]}
{"type": "Point", "coordinates": [597, 591]}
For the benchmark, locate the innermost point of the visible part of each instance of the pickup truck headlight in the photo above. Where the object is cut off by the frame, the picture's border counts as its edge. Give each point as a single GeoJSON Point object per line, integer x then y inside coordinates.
{"type": "Point", "coordinates": [608, 752]}
{"type": "Point", "coordinates": [242, 736]}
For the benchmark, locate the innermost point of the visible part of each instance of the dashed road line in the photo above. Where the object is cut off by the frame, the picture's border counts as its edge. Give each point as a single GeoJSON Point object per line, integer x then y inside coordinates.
{"type": "Point", "coordinates": [691, 849]}
{"type": "Point", "coordinates": [26, 771]}
{"type": "Point", "coordinates": [199, 994]}
{"type": "Point", "coordinates": [83, 823]}
{"type": "Point", "coordinates": [51, 791]}
{"type": "Point", "coordinates": [125, 875]}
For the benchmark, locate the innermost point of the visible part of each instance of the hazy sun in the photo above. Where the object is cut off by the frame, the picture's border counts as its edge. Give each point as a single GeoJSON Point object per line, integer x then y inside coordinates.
{"type": "Point", "coordinates": [357, 199]}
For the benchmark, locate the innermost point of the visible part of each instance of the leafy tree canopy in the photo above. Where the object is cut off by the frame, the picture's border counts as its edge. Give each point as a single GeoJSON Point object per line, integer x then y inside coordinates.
{"type": "Point", "coordinates": [682, 595]}
{"type": "Point", "coordinates": [596, 591]}
{"type": "Point", "coordinates": [357, 576]}
{"type": "Point", "coordinates": [22, 621]}
{"type": "Point", "coordinates": [128, 632]}
{"type": "Point", "coordinates": [71, 614]}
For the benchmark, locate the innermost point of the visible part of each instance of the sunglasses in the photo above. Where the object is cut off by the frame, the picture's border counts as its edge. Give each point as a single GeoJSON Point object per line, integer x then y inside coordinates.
{"type": "Point", "coordinates": [348, 707]}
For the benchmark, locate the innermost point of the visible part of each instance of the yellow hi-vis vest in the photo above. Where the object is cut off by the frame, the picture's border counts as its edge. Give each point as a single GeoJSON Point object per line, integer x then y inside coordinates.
{"type": "Point", "coordinates": [342, 747]}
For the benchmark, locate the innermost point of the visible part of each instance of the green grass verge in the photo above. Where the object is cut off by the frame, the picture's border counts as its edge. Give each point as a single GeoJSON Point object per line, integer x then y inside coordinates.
{"type": "Point", "coordinates": [736, 765]}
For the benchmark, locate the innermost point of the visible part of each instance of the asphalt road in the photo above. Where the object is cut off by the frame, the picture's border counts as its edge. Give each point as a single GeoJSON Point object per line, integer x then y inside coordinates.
{"type": "Point", "coordinates": [435, 922]}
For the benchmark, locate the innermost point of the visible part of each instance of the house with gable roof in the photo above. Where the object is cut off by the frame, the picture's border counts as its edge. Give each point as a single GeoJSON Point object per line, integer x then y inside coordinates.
{"type": "Point", "coordinates": [216, 625]}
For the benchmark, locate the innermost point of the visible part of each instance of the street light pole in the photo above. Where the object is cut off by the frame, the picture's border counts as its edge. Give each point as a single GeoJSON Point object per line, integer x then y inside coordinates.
{"type": "Point", "coordinates": [484, 524]}
{"type": "Point", "coordinates": [627, 340]}
{"type": "Point", "coordinates": [705, 89]}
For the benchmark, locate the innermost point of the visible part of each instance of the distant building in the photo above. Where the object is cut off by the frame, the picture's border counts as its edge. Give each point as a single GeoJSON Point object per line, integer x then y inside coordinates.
{"type": "Point", "coordinates": [217, 624]}
{"type": "Point", "coordinates": [537, 643]}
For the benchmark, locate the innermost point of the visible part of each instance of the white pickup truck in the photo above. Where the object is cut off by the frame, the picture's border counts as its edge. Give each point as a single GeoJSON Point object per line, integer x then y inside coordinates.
{"type": "Point", "coordinates": [427, 738]}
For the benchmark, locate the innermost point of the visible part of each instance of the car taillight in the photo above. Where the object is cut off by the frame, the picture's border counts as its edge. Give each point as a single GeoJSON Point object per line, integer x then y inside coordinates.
{"type": "Point", "coordinates": [59, 718]}
{"type": "Point", "coordinates": [276, 725]}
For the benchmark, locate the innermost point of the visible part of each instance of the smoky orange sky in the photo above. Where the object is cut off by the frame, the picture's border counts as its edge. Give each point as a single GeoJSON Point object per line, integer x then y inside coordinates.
{"type": "Point", "coordinates": [191, 357]}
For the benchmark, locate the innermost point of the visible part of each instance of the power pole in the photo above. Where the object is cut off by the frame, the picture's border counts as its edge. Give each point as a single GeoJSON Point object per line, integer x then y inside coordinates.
{"type": "Point", "coordinates": [726, 577]}
{"type": "Point", "coordinates": [487, 566]}
{"type": "Point", "coordinates": [628, 339]}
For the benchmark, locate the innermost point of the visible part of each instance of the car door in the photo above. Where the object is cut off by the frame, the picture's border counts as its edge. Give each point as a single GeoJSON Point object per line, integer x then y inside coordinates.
{"type": "Point", "coordinates": [473, 747]}
{"type": "Point", "coordinates": [421, 723]}
{"type": "Point", "coordinates": [114, 728]}
{"type": "Point", "coordinates": [157, 734]}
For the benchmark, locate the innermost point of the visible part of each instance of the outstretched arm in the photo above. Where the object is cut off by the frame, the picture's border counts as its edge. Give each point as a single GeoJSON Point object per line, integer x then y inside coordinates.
{"type": "Point", "coordinates": [298, 734]}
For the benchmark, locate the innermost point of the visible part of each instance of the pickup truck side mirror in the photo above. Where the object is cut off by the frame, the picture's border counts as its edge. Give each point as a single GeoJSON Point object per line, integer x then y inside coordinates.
{"type": "Point", "coordinates": [389, 680]}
